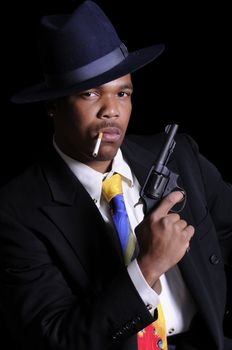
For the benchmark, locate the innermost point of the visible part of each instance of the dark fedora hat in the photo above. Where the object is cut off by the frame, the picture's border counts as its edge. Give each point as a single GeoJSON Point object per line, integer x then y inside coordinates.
{"type": "Point", "coordinates": [81, 51]}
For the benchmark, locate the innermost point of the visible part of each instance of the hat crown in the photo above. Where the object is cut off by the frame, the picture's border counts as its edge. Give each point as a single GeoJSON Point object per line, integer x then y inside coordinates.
{"type": "Point", "coordinates": [70, 41]}
{"type": "Point", "coordinates": [80, 51]}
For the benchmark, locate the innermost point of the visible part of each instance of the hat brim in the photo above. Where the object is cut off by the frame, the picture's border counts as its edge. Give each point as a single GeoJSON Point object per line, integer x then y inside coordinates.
{"type": "Point", "coordinates": [134, 61]}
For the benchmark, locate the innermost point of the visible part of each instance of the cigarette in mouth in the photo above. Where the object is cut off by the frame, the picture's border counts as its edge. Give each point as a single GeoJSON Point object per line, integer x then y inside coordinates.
{"type": "Point", "coordinates": [98, 143]}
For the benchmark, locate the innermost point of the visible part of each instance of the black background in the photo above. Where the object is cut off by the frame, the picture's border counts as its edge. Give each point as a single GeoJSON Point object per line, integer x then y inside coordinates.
{"type": "Point", "coordinates": [190, 83]}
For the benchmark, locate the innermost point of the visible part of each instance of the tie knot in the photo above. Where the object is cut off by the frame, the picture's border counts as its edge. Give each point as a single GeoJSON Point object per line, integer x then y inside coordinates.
{"type": "Point", "coordinates": [112, 186]}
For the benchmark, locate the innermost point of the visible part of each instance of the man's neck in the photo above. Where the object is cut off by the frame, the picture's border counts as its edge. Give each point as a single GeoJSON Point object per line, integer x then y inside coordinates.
{"type": "Point", "coordinates": [101, 166]}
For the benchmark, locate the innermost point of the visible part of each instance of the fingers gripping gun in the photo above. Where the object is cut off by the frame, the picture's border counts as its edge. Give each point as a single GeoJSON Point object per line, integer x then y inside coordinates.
{"type": "Point", "coordinates": [160, 180]}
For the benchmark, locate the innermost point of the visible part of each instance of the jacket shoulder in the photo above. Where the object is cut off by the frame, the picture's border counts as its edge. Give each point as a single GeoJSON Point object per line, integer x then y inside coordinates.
{"type": "Point", "coordinates": [184, 143]}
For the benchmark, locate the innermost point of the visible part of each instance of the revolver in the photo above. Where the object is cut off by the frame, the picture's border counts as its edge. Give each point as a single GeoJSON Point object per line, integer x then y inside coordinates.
{"type": "Point", "coordinates": [160, 180]}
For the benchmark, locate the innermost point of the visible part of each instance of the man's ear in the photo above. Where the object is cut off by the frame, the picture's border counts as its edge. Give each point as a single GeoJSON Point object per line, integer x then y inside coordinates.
{"type": "Point", "coordinates": [51, 108]}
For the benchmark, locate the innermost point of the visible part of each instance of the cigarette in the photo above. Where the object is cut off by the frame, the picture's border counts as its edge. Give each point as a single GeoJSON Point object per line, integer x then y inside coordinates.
{"type": "Point", "coordinates": [98, 143]}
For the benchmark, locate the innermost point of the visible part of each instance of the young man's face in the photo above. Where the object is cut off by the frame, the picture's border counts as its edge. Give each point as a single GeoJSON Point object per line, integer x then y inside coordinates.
{"type": "Point", "coordinates": [79, 119]}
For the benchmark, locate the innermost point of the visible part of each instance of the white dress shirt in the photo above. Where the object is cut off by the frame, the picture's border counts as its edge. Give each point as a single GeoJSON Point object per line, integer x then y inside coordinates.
{"type": "Point", "coordinates": [177, 303]}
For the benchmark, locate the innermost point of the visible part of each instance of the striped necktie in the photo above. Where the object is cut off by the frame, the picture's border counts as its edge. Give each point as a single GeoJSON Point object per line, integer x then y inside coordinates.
{"type": "Point", "coordinates": [153, 337]}
{"type": "Point", "coordinates": [112, 191]}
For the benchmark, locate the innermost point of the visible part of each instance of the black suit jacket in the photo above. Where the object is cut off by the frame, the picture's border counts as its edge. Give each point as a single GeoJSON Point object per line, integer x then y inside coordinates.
{"type": "Point", "coordinates": [63, 282]}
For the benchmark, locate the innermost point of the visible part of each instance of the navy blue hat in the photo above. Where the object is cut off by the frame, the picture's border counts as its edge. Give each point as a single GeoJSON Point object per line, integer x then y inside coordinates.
{"type": "Point", "coordinates": [81, 51]}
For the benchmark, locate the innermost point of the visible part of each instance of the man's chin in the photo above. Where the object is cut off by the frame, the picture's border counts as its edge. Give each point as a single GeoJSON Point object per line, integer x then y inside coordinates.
{"type": "Point", "coordinates": [105, 157]}
{"type": "Point", "coordinates": [107, 152]}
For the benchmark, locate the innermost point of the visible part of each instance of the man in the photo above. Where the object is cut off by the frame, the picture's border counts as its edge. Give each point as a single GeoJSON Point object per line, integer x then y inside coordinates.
{"type": "Point", "coordinates": [64, 281]}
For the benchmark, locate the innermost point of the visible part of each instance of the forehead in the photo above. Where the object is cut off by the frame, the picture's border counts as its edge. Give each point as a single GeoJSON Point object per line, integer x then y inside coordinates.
{"type": "Point", "coordinates": [122, 82]}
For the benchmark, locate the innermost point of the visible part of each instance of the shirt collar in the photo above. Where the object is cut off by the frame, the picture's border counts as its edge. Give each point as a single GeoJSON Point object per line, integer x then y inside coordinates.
{"type": "Point", "coordinates": [92, 179]}
{"type": "Point", "coordinates": [120, 166]}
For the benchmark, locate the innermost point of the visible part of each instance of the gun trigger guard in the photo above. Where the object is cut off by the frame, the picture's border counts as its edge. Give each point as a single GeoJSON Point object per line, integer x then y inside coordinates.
{"type": "Point", "coordinates": [178, 207]}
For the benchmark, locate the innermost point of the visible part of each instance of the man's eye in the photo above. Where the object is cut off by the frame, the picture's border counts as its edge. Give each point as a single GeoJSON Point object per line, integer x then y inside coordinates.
{"type": "Point", "coordinates": [123, 93]}
{"type": "Point", "coordinates": [87, 93]}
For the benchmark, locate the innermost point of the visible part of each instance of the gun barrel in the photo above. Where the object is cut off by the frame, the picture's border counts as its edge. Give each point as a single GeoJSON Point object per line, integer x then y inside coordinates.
{"type": "Point", "coordinates": [169, 144]}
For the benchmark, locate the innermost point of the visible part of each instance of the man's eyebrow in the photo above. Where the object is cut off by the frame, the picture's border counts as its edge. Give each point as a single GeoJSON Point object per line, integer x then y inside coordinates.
{"type": "Point", "coordinates": [126, 86]}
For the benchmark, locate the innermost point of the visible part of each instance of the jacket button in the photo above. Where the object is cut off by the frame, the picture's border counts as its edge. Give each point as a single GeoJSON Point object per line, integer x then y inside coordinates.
{"type": "Point", "coordinates": [171, 330]}
{"type": "Point", "coordinates": [214, 259]}
{"type": "Point", "coordinates": [136, 320]}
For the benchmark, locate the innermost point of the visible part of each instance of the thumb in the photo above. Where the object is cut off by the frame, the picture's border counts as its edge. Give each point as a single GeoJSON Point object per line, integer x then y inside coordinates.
{"type": "Point", "coordinates": [168, 203]}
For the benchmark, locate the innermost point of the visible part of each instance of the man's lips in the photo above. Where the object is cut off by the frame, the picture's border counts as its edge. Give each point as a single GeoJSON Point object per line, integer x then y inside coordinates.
{"type": "Point", "coordinates": [111, 134]}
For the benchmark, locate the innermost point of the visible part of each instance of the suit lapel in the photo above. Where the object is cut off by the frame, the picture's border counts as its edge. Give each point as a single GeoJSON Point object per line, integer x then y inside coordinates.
{"type": "Point", "coordinates": [78, 219]}
{"type": "Point", "coordinates": [139, 159]}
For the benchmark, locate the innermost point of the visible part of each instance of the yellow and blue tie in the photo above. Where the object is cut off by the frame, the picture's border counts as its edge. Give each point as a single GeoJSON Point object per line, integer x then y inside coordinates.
{"type": "Point", "coordinates": [112, 191]}
{"type": "Point", "coordinates": [153, 337]}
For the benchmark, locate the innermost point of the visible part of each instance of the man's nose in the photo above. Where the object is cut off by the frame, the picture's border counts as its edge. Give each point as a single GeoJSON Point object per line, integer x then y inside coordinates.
{"type": "Point", "coordinates": [109, 108]}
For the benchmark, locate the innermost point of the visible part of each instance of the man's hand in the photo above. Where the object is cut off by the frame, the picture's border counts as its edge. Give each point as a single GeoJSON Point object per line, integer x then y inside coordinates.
{"type": "Point", "coordinates": [163, 239]}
